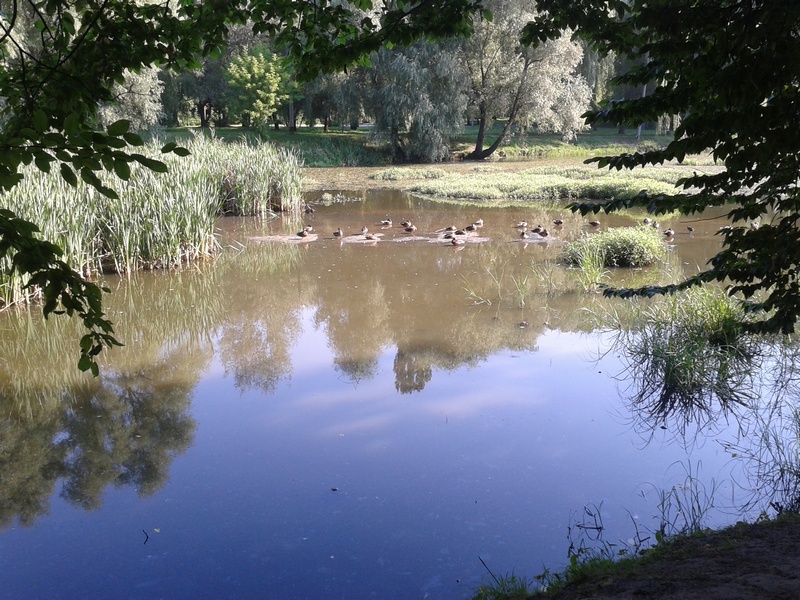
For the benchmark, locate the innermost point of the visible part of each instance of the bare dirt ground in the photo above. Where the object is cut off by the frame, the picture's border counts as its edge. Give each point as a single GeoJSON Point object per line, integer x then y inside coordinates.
{"type": "Point", "coordinates": [746, 562]}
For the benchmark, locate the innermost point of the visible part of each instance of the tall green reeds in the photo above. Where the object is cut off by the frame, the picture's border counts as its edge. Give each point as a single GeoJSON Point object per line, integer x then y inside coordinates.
{"type": "Point", "coordinates": [159, 220]}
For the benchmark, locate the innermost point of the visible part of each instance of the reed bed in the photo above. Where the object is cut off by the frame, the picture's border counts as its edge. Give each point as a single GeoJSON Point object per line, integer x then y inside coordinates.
{"type": "Point", "coordinates": [619, 247]}
{"type": "Point", "coordinates": [551, 184]}
{"type": "Point", "coordinates": [159, 220]}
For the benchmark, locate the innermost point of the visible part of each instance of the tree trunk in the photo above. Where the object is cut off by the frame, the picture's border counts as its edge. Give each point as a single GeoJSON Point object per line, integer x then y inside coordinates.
{"type": "Point", "coordinates": [325, 122]}
{"type": "Point", "coordinates": [204, 112]}
{"type": "Point", "coordinates": [479, 153]}
{"type": "Point", "coordinates": [292, 118]}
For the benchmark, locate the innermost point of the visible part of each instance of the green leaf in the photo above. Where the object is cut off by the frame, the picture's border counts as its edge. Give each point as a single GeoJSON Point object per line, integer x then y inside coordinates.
{"type": "Point", "coordinates": [40, 120]}
{"type": "Point", "coordinates": [69, 175]}
{"type": "Point", "coordinates": [119, 128]}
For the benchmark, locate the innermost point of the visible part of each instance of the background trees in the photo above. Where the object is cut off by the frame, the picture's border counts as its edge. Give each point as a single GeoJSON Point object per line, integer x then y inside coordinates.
{"type": "Point", "coordinates": [255, 82]}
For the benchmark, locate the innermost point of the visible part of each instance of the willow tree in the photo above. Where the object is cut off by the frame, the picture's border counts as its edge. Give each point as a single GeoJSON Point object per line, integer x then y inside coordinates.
{"type": "Point", "coordinates": [417, 100]}
{"type": "Point", "coordinates": [525, 85]}
{"type": "Point", "coordinates": [731, 69]}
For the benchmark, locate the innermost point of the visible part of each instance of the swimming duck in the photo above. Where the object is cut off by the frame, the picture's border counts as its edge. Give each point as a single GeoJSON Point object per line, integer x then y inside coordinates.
{"type": "Point", "coordinates": [308, 210]}
{"type": "Point", "coordinates": [689, 228]}
{"type": "Point", "coordinates": [386, 222]}
{"type": "Point", "coordinates": [521, 224]}
{"type": "Point", "coordinates": [303, 233]}
{"type": "Point", "coordinates": [558, 222]}
{"type": "Point", "coordinates": [478, 223]}
{"type": "Point", "coordinates": [647, 221]}
{"type": "Point", "coordinates": [338, 233]}
{"type": "Point", "coordinates": [405, 224]}
{"type": "Point", "coordinates": [594, 223]}
{"type": "Point", "coordinates": [669, 232]}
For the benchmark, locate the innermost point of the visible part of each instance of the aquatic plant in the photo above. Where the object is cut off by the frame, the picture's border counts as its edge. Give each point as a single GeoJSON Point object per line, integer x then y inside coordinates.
{"type": "Point", "coordinates": [618, 247]}
{"type": "Point", "coordinates": [157, 220]}
{"type": "Point", "coordinates": [503, 587]}
{"type": "Point", "coordinates": [687, 359]}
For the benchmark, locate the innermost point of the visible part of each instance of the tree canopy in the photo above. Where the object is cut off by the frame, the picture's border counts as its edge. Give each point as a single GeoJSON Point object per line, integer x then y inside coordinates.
{"type": "Point", "coordinates": [61, 59]}
{"type": "Point", "coordinates": [729, 69]}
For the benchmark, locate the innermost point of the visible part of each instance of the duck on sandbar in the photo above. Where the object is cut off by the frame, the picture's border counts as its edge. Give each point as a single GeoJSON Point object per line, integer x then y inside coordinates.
{"type": "Point", "coordinates": [521, 224]}
{"type": "Point", "coordinates": [405, 224]}
{"type": "Point", "coordinates": [338, 233]}
{"type": "Point", "coordinates": [410, 229]}
{"type": "Point", "coordinates": [387, 222]}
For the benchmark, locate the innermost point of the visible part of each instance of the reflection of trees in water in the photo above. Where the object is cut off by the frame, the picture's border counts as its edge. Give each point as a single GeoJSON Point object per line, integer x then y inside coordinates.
{"type": "Point", "coordinates": [262, 320]}
{"type": "Point", "coordinates": [412, 370]}
{"type": "Point", "coordinates": [60, 426]}
{"type": "Point", "coordinates": [357, 325]}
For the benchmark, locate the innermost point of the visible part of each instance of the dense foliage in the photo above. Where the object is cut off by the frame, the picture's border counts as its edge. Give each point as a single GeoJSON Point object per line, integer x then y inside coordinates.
{"type": "Point", "coordinates": [729, 69]}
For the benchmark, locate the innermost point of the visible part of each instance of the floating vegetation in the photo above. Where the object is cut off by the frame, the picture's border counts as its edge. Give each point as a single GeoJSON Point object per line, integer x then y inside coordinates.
{"type": "Point", "coordinates": [550, 184]}
{"type": "Point", "coordinates": [396, 173]}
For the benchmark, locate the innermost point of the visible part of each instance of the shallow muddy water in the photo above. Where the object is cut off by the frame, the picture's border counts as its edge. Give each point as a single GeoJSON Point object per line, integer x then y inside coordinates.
{"type": "Point", "coordinates": [335, 418]}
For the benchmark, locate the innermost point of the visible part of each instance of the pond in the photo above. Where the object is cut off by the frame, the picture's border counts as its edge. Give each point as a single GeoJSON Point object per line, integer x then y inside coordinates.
{"type": "Point", "coordinates": [339, 418]}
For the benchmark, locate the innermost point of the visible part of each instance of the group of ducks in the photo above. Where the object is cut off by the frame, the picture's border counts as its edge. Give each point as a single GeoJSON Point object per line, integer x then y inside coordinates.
{"type": "Point", "coordinates": [452, 233]}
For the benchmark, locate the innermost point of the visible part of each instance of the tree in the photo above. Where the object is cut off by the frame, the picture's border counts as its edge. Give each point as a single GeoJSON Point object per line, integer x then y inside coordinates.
{"type": "Point", "coordinates": [730, 68]}
{"type": "Point", "coordinates": [137, 99]}
{"type": "Point", "coordinates": [254, 86]}
{"type": "Point", "coordinates": [526, 85]}
{"type": "Point", "coordinates": [60, 60]}
{"type": "Point", "coordinates": [417, 100]}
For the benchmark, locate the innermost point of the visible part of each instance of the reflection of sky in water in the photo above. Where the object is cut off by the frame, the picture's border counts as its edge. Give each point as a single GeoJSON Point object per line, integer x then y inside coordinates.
{"type": "Point", "coordinates": [488, 462]}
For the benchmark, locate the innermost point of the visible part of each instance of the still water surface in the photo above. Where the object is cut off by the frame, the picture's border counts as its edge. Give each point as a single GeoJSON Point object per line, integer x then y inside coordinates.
{"type": "Point", "coordinates": [332, 419]}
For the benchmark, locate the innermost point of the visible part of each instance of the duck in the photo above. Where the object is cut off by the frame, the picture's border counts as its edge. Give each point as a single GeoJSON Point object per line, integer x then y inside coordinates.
{"type": "Point", "coordinates": [338, 233]}
{"type": "Point", "coordinates": [689, 228]}
{"type": "Point", "coordinates": [654, 225]}
{"type": "Point", "coordinates": [524, 235]}
{"type": "Point", "coordinates": [405, 224]}
{"type": "Point", "coordinates": [478, 223]}
{"type": "Point", "coordinates": [537, 229]}
{"type": "Point", "coordinates": [472, 227]}
{"type": "Point", "coordinates": [410, 229]}
{"type": "Point", "coordinates": [370, 236]}
{"type": "Point", "coordinates": [451, 228]}
{"type": "Point", "coordinates": [544, 232]}
{"type": "Point", "coordinates": [521, 224]}
{"type": "Point", "coordinates": [647, 221]}
{"type": "Point", "coordinates": [308, 210]}
{"type": "Point", "coordinates": [306, 231]}
{"type": "Point", "coordinates": [387, 222]}
{"type": "Point", "coordinates": [457, 241]}
{"type": "Point", "coordinates": [448, 236]}
{"type": "Point", "coordinates": [669, 232]}
{"type": "Point", "coordinates": [459, 232]}
{"type": "Point", "coordinates": [558, 222]}
{"type": "Point", "coordinates": [364, 230]}
{"type": "Point", "coordinates": [594, 223]}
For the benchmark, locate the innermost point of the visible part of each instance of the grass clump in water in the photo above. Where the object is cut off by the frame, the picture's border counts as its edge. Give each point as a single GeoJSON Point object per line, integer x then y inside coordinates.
{"type": "Point", "coordinates": [619, 247]}
{"type": "Point", "coordinates": [394, 174]}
